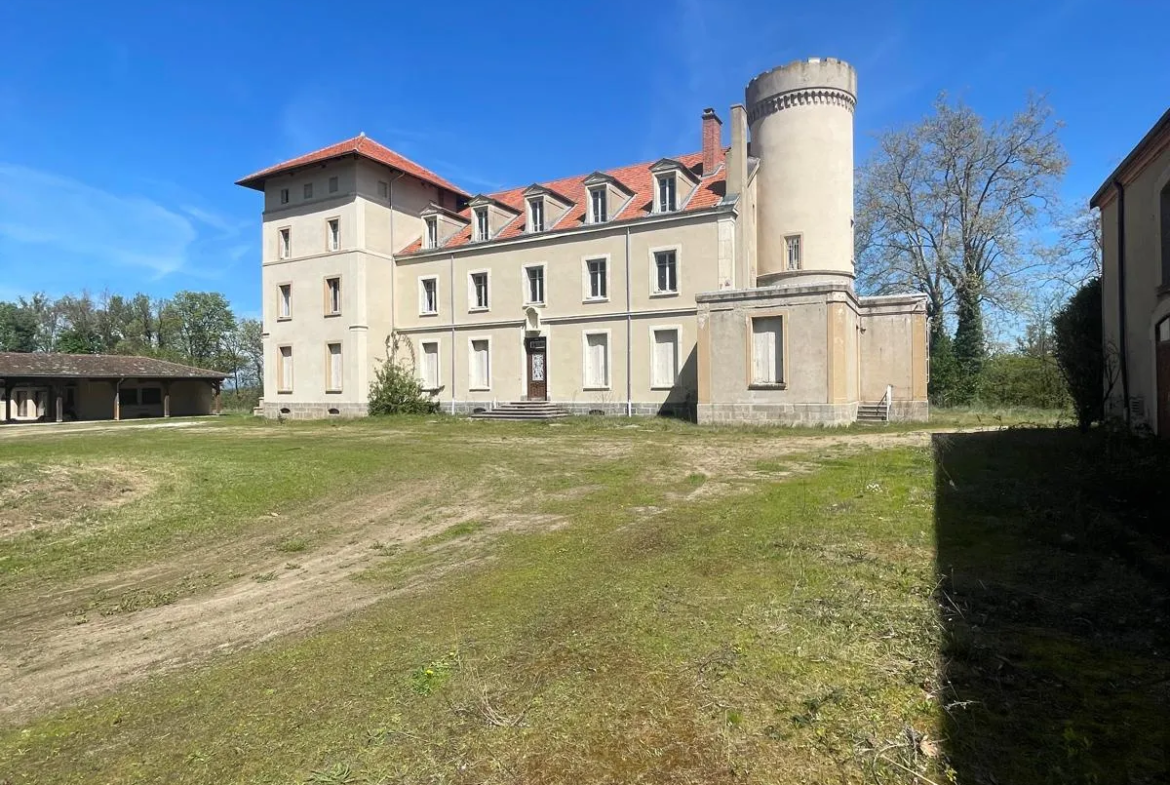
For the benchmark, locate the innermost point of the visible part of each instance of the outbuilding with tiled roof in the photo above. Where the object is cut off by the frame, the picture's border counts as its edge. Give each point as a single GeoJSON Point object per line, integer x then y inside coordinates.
{"type": "Point", "coordinates": [38, 386]}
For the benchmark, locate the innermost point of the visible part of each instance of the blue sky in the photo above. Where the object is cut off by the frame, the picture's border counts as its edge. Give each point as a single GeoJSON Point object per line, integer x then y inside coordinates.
{"type": "Point", "coordinates": [123, 125]}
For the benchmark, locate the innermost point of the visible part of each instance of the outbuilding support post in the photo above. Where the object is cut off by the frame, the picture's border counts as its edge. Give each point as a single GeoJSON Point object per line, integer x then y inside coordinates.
{"type": "Point", "coordinates": [218, 400]}
{"type": "Point", "coordinates": [118, 400]}
{"type": "Point", "coordinates": [60, 391]}
{"type": "Point", "coordinates": [166, 399]}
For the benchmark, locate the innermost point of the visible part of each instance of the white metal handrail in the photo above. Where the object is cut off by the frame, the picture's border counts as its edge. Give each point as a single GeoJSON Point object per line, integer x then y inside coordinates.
{"type": "Point", "coordinates": [888, 400]}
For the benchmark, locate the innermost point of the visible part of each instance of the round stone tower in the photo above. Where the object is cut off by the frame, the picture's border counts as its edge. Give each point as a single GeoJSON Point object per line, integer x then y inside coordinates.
{"type": "Point", "coordinates": [801, 120]}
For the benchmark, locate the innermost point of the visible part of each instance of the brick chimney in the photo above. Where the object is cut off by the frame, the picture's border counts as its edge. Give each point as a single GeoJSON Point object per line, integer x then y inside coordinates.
{"type": "Point", "coordinates": [712, 141]}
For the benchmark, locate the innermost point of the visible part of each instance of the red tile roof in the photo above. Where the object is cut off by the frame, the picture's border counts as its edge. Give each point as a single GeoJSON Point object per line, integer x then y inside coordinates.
{"type": "Point", "coordinates": [361, 145]}
{"type": "Point", "coordinates": [636, 178]}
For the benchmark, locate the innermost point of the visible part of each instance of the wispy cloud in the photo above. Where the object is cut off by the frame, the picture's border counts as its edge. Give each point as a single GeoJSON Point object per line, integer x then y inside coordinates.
{"type": "Point", "coordinates": [48, 209]}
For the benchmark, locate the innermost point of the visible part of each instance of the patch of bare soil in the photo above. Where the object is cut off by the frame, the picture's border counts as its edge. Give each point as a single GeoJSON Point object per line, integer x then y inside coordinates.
{"type": "Point", "coordinates": [51, 495]}
{"type": "Point", "coordinates": [51, 656]}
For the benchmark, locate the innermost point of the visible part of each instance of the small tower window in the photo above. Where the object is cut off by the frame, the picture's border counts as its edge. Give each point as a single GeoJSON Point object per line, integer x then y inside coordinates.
{"type": "Point", "coordinates": [308, 190]}
{"type": "Point", "coordinates": [792, 246]}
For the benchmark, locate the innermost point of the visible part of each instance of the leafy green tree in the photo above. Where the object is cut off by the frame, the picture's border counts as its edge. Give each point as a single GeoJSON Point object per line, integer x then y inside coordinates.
{"type": "Point", "coordinates": [1081, 354]}
{"type": "Point", "coordinates": [73, 341]}
{"type": "Point", "coordinates": [202, 321]}
{"type": "Point", "coordinates": [944, 371]}
{"type": "Point", "coordinates": [18, 328]}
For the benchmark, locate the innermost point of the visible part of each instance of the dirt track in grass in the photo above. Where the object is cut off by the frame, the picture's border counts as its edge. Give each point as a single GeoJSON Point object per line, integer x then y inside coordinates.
{"type": "Point", "coordinates": [58, 646]}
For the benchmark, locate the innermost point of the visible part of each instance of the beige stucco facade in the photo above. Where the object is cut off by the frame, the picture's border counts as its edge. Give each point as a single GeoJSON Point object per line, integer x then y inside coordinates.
{"type": "Point", "coordinates": [353, 263]}
{"type": "Point", "coordinates": [1135, 238]}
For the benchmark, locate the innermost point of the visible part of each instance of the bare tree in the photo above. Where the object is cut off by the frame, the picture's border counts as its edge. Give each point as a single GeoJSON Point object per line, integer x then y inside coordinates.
{"type": "Point", "coordinates": [1075, 257]}
{"type": "Point", "coordinates": [945, 206]}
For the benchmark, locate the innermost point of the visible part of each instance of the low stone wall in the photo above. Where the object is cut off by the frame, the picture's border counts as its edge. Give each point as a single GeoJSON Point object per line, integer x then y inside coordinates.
{"type": "Point", "coordinates": [834, 414]}
{"type": "Point", "coordinates": [609, 409]}
{"type": "Point", "coordinates": [910, 411]}
{"type": "Point", "coordinates": [291, 410]}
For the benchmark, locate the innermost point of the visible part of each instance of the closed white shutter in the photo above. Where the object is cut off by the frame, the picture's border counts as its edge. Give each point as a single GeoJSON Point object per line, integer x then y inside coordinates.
{"type": "Point", "coordinates": [286, 368]}
{"type": "Point", "coordinates": [596, 360]}
{"type": "Point", "coordinates": [431, 365]}
{"type": "Point", "coordinates": [480, 368]}
{"type": "Point", "coordinates": [767, 346]}
{"type": "Point", "coordinates": [665, 358]}
{"type": "Point", "coordinates": [335, 370]}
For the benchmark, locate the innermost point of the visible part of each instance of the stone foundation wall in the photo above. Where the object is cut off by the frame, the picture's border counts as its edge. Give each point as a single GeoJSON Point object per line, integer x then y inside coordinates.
{"type": "Point", "coordinates": [910, 411]}
{"type": "Point", "coordinates": [834, 414]}
{"type": "Point", "coordinates": [291, 410]}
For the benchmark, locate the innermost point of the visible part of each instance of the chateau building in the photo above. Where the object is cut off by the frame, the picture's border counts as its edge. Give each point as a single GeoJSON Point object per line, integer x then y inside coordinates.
{"type": "Point", "coordinates": [716, 284]}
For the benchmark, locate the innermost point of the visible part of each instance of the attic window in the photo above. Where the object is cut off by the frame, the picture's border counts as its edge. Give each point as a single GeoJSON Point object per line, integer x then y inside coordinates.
{"type": "Point", "coordinates": [432, 239]}
{"type": "Point", "coordinates": [667, 189]}
{"type": "Point", "coordinates": [482, 227]}
{"type": "Point", "coordinates": [536, 214]}
{"type": "Point", "coordinates": [598, 205]}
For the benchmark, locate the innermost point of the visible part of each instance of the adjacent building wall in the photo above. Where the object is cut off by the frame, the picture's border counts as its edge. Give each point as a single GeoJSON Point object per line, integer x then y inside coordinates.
{"type": "Point", "coordinates": [1147, 294]}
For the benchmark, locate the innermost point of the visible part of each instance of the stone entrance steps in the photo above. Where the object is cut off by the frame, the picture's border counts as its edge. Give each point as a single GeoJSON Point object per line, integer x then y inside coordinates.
{"type": "Point", "coordinates": [871, 412]}
{"type": "Point", "coordinates": [523, 410]}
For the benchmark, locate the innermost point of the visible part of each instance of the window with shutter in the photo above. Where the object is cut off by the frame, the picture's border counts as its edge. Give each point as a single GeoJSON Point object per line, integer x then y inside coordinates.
{"type": "Point", "coordinates": [335, 367]}
{"type": "Point", "coordinates": [481, 364]}
{"type": "Point", "coordinates": [767, 350]}
{"type": "Point", "coordinates": [430, 365]}
{"type": "Point", "coordinates": [596, 360]}
{"type": "Point", "coordinates": [664, 372]}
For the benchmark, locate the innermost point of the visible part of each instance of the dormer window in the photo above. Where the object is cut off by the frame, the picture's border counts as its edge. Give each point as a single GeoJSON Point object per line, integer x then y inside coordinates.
{"type": "Point", "coordinates": [667, 194]}
{"type": "Point", "coordinates": [536, 215]}
{"type": "Point", "coordinates": [598, 205]}
{"type": "Point", "coordinates": [432, 239]}
{"type": "Point", "coordinates": [482, 227]}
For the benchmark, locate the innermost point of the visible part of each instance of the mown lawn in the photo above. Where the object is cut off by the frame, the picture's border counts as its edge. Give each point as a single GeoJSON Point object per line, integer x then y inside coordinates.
{"type": "Point", "coordinates": [658, 603]}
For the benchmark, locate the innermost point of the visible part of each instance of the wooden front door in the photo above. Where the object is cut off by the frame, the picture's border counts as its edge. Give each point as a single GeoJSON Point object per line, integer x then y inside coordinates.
{"type": "Point", "coordinates": [537, 351]}
{"type": "Point", "coordinates": [1162, 348]}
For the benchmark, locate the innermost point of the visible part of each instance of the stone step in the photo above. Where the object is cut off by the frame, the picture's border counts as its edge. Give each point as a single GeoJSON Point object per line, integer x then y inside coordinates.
{"type": "Point", "coordinates": [523, 411]}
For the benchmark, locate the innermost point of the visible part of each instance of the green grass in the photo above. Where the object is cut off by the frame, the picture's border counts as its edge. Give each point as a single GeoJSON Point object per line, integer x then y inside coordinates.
{"type": "Point", "coordinates": [656, 623]}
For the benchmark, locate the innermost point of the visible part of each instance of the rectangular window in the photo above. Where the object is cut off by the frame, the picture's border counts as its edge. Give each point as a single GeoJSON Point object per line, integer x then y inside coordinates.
{"type": "Point", "coordinates": [284, 243]}
{"type": "Point", "coordinates": [596, 360]}
{"type": "Point", "coordinates": [664, 372]}
{"type": "Point", "coordinates": [284, 301]}
{"type": "Point", "coordinates": [334, 231]}
{"type": "Point", "coordinates": [284, 369]}
{"type": "Point", "coordinates": [598, 283]}
{"type": "Point", "coordinates": [481, 364]}
{"type": "Point", "coordinates": [383, 189]}
{"type": "Point", "coordinates": [482, 227]}
{"type": "Point", "coordinates": [430, 365]}
{"type": "Point", "coordinates": [332, 185]}
{"type": "Point", "coordinates": [666, 193]}
{"type": "Point", "coordinates": [792, 245]}
{"type": "Point", "coordinates": [150, 396]}
{"type": "Point", "coordinates": [535, 285]}
{"type": "Point", "coordinates": [428, 295]}
{"type": "Point", "coordinates": [665, 272]}
{"type": "Point", "coordinates": [335, 367]}
{"type": "Point", "coordinates": [479, 290]}
{"type": "Point", "coordinates": [332, 296]}
{"type": "Point", "coordinates": [536, 215]}
{"type": "Point", "coordinates": [768, 350]}
{"type": "Point", "coordinates": [128, 396]}
{"type": "Point", "coordinates": [432, 240]}
{"type": "Point", "coordinates": [284, 196]}
{"type": "Point", "coordinates": [597, 205]}
{"type": "Point", "coordinates": [308, 190]}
